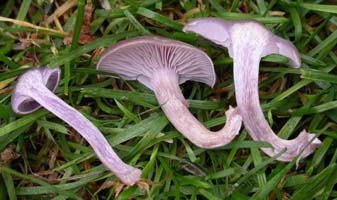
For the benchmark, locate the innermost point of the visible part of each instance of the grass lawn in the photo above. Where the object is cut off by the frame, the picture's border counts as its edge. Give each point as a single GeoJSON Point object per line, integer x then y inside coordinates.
{"type": "Point", "coordinates": [44, 158]}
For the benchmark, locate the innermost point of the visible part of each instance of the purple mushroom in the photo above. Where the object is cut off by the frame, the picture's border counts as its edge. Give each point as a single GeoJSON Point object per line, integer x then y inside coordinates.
{"type": "Point", "coordinates": [247, 41]}
{"type": "Point", "coordinates": [35, 89]}
{"type": "Point", "coordinates": [162, 64]}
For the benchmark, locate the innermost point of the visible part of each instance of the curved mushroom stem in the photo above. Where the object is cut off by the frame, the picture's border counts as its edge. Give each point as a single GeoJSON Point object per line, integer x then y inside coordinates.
{"type": "Point", "coordinates": [166, 88]}
{"type": "Point", "coordinates": [35, 89]}
{"type": "Point", "coordinates": [247, 50]}
{"type": "Point", "coordinates": [247, 41]}
{"type": "Point", "coordinates": [246, 90]}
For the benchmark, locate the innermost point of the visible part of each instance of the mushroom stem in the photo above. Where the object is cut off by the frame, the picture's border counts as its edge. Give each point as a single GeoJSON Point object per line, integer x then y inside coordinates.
{"type": "Point", "coordinates": [162, 64]}
{"type": "Point", "coordinates": [36, 89]}
{"type": "Point", "coordinates": [246, 71]}
{"type": "Point", "coordinates": [166, 88]}
{"type": "Point", "coordinates": [247, 41]}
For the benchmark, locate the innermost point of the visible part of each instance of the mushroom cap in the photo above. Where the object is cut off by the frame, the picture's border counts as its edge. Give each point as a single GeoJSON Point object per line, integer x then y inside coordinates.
{"type": "Point", "coordinates": [223, 32]}
{"type": "Point", "coordinates": [213, 29]}
{"type": "Point", "coordinates": [22, 101]}
{"type": "Point", "coordinates": [138, 59]}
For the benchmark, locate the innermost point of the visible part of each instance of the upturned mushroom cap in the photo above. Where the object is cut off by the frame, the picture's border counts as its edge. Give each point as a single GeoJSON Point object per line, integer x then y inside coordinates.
{"type": "Point", "coordinates": [221, 32]}
{"type": "Point", "coordinates": [138, 58]}
{"type": "Point", "coordinates": [22, 103]}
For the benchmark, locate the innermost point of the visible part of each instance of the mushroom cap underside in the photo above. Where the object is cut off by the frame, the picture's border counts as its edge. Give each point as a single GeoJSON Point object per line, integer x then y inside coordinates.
{"type": "Point", "coordinates": [139, 58]}
{"type": "Point", "coordinates": [22, 101]}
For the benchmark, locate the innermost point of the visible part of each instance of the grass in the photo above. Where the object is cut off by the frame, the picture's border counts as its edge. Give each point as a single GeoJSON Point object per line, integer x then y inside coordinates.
{"type": "Point", "coordinates": [43, 158]}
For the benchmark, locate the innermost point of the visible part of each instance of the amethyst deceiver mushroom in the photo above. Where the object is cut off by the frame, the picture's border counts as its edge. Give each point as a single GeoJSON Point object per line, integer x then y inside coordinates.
{"type": "Point", "coordinates": [35, 89]}
{"type": "Point", "coordinates": [247, 41]}
{"type": "Point", "coordinates": [162, 64]}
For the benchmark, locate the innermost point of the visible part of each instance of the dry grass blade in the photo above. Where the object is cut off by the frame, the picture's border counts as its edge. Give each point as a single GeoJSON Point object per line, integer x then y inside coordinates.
{"type": "Point", "coordinates": [61, 10]}
{"type": "Point", "coordinates": [29, 25]}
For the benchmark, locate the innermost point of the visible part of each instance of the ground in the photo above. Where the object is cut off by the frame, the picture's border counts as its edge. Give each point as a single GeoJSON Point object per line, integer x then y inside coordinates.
{"type": "Point", "coordinates": [44, 158]}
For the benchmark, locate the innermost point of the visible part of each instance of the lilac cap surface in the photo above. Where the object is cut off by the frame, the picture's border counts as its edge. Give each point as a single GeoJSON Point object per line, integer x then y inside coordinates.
{"type": "Point", "coordinates": [223, 33]}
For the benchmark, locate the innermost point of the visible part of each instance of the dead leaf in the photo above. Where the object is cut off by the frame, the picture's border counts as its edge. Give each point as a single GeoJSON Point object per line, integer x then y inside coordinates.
{"type": "Point", "coordinates": [31, 57]}
{"type": "Point", "coordinates": [8, 155]}
{"type": "Point", "coordinates": [145, 185]}
{"type": "Point", "coordinates": [105, 185]}
{"type": "Point", "coordinates": [118, 188]}
{"type": "Point", "coordinates": [85, 36]}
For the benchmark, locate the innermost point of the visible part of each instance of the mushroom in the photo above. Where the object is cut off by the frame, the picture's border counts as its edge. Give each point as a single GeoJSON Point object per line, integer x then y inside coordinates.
{"type": "Point", "coordinates": [35, 89]}
{"type": "Point", "coordinates": [162, 64]}
{"type": "Point", "coordinates": [247, 41]}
